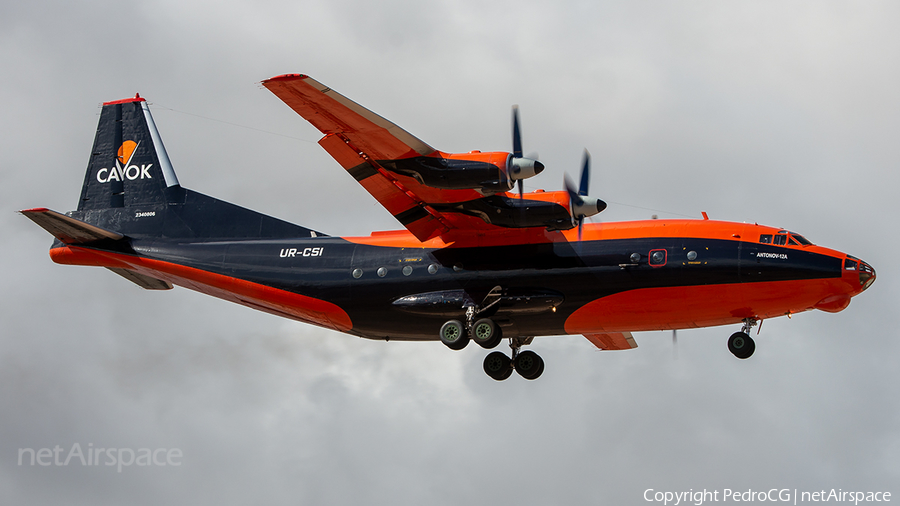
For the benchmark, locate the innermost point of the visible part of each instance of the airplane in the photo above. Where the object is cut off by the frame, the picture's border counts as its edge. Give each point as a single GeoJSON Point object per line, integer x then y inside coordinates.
{"type": "Point", "coordinates": [479, 260]}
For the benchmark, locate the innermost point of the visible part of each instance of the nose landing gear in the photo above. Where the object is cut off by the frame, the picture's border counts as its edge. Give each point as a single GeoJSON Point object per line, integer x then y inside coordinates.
{"type": "Point", "coordinates": [740, 344]}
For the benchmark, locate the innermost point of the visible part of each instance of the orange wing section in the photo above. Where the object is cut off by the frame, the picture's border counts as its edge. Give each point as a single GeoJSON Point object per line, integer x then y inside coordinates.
{"type": "Point", "coordinates": [360, 140]}
{"type": "Point", "coordinates": [612, 340]}
{"type": "Point", "coordinates": [333, 113]}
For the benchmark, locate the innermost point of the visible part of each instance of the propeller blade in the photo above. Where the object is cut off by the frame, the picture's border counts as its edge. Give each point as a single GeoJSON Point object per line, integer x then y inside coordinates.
{"type": "Point", "coordinates": [580, 205]}
{"type": "Point", "coordinates": [585, 174]}
{"type": "Point", "coordinates": [517, 135]}
{"type": "Point", "coordinates": [574, 197]}
{"type": "Point", "coordinates": [675, 344]}
{"type": "Point", "coordinates": [519, 167]}
{"type": "Point", "coordinates": [575, 200]}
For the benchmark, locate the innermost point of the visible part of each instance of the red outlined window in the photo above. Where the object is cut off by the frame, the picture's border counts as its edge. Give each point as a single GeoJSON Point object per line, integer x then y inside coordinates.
{"type": "Point", "coordinates": [657, 257]}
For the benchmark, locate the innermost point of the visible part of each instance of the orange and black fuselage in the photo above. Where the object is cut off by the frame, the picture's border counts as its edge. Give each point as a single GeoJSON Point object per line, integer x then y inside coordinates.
{"type": "Point", "coordinates": [621, 277]}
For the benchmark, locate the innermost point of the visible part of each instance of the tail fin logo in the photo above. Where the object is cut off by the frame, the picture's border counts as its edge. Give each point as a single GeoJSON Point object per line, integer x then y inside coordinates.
{"type": "Point", "coordinates": [124, 169]}
{"type": "Point", "coordinates": [125, 151]}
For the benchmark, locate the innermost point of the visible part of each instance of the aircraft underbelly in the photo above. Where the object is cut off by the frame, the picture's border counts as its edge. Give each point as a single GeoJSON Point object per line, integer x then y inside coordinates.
{"type": "Point", "coordinates": [682, 307]}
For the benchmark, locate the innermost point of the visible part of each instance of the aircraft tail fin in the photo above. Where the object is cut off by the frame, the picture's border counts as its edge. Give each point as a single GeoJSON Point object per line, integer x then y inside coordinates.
{"type": "Point", "coordinates": [129, 166]}
{"type": "Point", "coordinates": [130, 193]}
{"type": "Point", "coordinates": [130, 189]}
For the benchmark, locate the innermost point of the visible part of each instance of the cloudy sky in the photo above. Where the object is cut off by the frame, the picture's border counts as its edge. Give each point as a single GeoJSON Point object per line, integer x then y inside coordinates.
{"type": "Point", "coordinates": [782, 113]}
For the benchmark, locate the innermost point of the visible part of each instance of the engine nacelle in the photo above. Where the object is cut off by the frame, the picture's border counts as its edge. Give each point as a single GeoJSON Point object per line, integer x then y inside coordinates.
{"type": "Point", "coordinates": [588, 206]}
{"type": "Point", "coordinates": [523, 168]}
{"type": "Point", "coordinates": [492, 172]}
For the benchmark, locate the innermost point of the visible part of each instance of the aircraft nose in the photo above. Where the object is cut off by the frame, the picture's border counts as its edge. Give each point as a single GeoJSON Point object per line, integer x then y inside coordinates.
{"type": "Point", "coordinates": [865, 272]}
{"type": "Point", "coordinates": [866, 275]}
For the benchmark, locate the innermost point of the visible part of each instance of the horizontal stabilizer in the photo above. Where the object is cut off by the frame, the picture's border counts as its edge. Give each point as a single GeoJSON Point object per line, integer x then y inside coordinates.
{"type": "Point", "coordinates": [141, 280]}
{"type": "Point", "coordinates": [66, 229]}
{"type": "Point", "coordinates": [613, 340]}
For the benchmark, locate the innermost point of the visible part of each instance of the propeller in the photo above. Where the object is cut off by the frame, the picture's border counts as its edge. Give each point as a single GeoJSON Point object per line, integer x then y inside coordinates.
{"type": "Point", "coordinates": [580, 205]}
{"type": "Point", "coordinates": [520, 167]}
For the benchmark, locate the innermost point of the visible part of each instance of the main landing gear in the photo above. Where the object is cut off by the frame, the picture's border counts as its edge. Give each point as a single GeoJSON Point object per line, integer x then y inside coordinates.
{"type": "Point", "coordinates": [740, 343]}
{"type": "Point", "coordinates": [527, 363]}
{"type": "Point", "coordinates": [485, 332]}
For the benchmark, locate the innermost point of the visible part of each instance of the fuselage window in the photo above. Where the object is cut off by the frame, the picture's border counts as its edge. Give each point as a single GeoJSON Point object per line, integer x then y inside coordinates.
{"type": "Point", "coordinates": [765, 238]}
{"type": "Point", "coordinates": [657, 258]}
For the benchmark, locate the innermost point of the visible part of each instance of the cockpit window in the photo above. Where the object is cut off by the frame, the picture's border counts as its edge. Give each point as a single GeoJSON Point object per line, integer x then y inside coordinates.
{"type": "Point", "coordinates": [802, 240]}
{"type": "Point", "coordinates": [850, 264]}
{"type": "Point", "coordinates": [784, 237]}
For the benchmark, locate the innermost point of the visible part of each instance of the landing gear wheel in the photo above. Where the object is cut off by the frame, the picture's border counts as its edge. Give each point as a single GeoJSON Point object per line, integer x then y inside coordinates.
{"type": "Point", "coordinates": [529, 365]}
{"type": "Point", "coordinates": [741, 345]}
{"type": "Point", "coordinates": [498, 365]}
{"type": "Point", "coordinates": [486, 333]}
{"type": "Point", "coordinates": [453, 334]}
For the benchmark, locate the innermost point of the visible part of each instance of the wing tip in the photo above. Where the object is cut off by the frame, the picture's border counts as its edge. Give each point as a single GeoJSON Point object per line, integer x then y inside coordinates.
{"type": "Point", "coordinates": [285, 78]}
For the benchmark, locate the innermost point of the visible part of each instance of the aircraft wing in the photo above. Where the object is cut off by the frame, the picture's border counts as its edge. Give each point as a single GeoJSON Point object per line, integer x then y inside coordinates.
{"type": "Point", "coordinates": [373, 150]}
{"type": "Point", "coordinates": [334, 114]}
